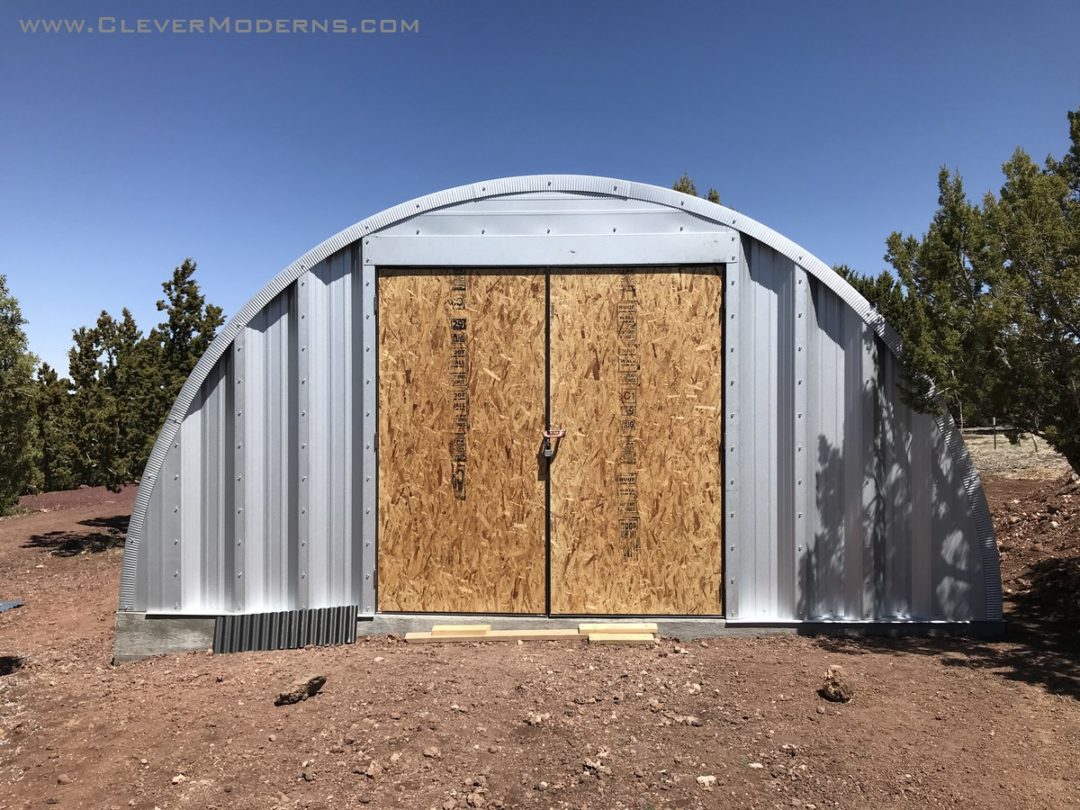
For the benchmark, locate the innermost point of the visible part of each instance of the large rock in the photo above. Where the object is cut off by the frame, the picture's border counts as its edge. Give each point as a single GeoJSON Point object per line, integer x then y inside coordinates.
{"type": "Point", "coordinates": [836, 687]}
{"type": "Point", "coordinates": [301, 690]}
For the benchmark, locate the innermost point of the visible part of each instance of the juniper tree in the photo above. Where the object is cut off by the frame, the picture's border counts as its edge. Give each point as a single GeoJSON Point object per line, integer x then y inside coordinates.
{"type": "Point", "coordinates": [54, 438]}
{"type": "Point", "coordinates": [686, 185]}
{"type": "Point", "coordinates": [16, 403]}
{"type": "Point", "coordinates": [987, 301]}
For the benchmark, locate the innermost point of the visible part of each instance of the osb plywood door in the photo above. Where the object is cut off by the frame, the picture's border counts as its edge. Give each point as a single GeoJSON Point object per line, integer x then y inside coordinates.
{"type": "Point", "coordinates": [461, 411]}
{"type": "Point", "coordinates": [635, 485]}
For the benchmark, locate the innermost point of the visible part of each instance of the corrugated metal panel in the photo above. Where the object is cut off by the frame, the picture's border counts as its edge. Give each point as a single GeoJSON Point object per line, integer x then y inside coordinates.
{"type": "Point", "coordinates": [839, 502]}
{"type": "Point", "coordinates": [257, 499]}
{"type": "Point", "coordinates": [285, 630]}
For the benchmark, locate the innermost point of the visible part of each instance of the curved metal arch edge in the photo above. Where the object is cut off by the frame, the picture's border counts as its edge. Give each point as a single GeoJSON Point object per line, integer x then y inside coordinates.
{"type": "Point", "coordinates": [579, 184]}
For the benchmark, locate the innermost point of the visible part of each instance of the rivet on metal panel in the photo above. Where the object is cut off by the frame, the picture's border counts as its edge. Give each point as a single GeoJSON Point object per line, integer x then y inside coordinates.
{"type": "Point", "coordinates": [800, 482]}
{"type": "Point", "coordinates": [176, 573]}
{"type": "Point", "coordinates": [303, 348]}
{"type": "Point", "coordinates": [731, 548]}
{"type": "Point", "coordinates": [417, 231]}
{"type": "Point", "coordinates": [613, 230]}
{"type": "Point", "coordinates": [800, 416]}
{"type": "Point", "coordinates": [303, 511]}
{"type": "Point", "coordinates": [176, 541]}
{"type": "Point", "coordinates": [239, 477]}
{"type": "Point", "coordinates": [303, 446]}
{"type": "Point", "coordinates": [549, 182]}
{"type": "Point", "coordinates": [239, 574]}
{"type": "Point", "coordinates": [303, 478]}
{"type": "Point", "coordinates": [800, 515]}
{"type": "Point", "coordinates": [549, 230]}
{"type": "Point", "coordinates": [240, 510]}
{"type": "Point", "coordinates": [482, 231]}
{"type": "Point", "coordinates": [680, 228]}
{"type": "Point", "coordinates": [367, 544]}
{"type": "Point", "coordinates": [176, 477]}
{"type": "Point", "coordinates": [302, 316]}
{"type": "Point", "coordinates": [800, 448]}
{"type": "Point", "coordinates": [367, 413]}
{"type": "Point", "coordinates": [368, 478]}
{"type": "Point", "coordinates": [176, 509]}
{"type": "Point", "coordinates": [303, 576]}
{"type": "Point", "coordinates": [239, 542]}
{"type": "Point", "coordinates": [367, 511]}
{"type": "Point", "coordinates": [799, 382]}
{"type": "Point", "coordinates": [731, 514]}
{"type": "Point", "coordinates": [367, 576]}
{"type": "Point", "coordinates": [800, 314]}
{"type": "Point", "coordinates": [367, 348]}
{"type": "Point", "coordinates": [239, 445]}
{"type": "Point", "coordinates": [303, 380]}
{"type": "Point", "coordinates": [303, 413]}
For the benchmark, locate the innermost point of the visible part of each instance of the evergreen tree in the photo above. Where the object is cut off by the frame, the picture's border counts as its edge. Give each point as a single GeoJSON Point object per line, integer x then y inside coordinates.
{"type": "Point", "coordinates": [686, 185]}
{"type": "Point", "coordinates": [188, 329]}
{"type": "Point", "coordinates": [17, 450]}
{"type": "Point", "coordinates": [56, 449]}
{"type": "Point", "coordinates": [987, 302]}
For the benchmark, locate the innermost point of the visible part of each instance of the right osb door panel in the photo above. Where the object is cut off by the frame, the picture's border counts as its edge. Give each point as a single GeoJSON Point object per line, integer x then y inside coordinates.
{"type": "Point", "coordinates": [636, 488]}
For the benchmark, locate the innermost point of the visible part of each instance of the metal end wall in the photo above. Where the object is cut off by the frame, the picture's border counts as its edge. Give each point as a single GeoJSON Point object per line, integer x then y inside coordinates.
{"type": "Point", "coordinates": [260, 501]}
{"type": "Point", "coordinates": [840, 503]}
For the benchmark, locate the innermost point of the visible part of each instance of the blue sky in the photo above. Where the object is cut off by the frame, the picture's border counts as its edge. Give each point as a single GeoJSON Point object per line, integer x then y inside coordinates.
{"type": "Point", "coordinates": [122, 154]}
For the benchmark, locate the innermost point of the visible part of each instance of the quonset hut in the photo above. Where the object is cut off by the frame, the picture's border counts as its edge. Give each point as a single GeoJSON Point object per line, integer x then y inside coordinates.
{"type": "Point", "coordinates": [551, 396]}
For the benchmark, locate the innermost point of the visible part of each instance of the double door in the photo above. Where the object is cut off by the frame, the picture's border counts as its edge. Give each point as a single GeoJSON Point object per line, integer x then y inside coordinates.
{"type": "Point", "coordinates": [549, 441]}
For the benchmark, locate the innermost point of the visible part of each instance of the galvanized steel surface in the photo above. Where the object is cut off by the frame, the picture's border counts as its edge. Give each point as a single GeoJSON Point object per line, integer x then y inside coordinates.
{"type": "Point", "coordinates": [839, 502]}
{"type": "Point", "coordinates": [285, 630]}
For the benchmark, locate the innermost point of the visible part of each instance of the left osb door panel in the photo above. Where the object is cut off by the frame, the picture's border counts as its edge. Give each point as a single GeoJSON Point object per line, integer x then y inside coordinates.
{"type": "Point", "coordinates": [461, 411]}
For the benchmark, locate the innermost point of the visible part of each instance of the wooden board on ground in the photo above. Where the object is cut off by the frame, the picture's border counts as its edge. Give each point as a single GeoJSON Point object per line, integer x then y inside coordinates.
{"type": "Point", "coordinates": [497, 635]}
{"type": "Point", "coordinates": [617, 627]}
{"type": "Point", "coordinates": [461, 409]}
{"type": "Point", "coordinates": [460, 629]}
{"type": "Point", "coordinates": [621, 638]}
{"type": "Point", "coordinates": [635, 485]}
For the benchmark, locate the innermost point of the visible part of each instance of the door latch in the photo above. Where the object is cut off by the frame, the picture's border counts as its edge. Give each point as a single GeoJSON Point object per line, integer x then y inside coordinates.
{"type": "Point", "coordinates": [552, 433]}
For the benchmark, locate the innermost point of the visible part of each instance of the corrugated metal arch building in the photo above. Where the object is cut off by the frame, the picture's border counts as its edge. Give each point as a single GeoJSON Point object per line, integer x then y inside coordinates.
{"type": "Point", "coordinates": [839, 503]}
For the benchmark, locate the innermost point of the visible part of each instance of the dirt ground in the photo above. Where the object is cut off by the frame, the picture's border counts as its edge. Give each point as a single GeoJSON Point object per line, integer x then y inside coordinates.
{"type": "Point", "coordinates": [732, 723]}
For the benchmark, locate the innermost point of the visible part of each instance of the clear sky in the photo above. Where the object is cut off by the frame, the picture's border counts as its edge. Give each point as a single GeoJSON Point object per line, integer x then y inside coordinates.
{"type": "Point", "coordinates": [121, 154]}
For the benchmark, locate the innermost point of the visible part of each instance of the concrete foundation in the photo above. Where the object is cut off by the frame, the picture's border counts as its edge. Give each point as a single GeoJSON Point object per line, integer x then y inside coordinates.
{"type": "Point", "coordinates": [139, 635]}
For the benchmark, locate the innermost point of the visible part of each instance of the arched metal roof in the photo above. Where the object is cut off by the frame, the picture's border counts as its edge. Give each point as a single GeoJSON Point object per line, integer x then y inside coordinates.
{"type": "Point", "coordinates": [574, 184]}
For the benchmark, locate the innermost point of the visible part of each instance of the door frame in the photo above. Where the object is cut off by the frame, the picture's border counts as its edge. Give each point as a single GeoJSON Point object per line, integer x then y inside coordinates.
{"type": "Point", "coordinates": [398, 250]}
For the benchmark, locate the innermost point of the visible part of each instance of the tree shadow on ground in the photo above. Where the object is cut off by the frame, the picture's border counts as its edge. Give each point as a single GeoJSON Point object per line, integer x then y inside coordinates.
{"type": "Point", "coordinates": [102, 535]}
{"type": "Point", "coordinates": [1040, 646]}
